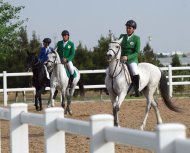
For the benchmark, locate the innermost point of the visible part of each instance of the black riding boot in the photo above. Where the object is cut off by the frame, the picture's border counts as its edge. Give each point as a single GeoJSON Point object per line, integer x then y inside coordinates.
{"type": "Point", "coordinates": [71, 80]}
{"type": "Point", "coordinates": [136, 84]}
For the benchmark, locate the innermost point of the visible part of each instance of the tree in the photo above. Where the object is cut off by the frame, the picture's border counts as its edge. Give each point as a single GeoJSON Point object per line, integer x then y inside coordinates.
{"type": "Point", "coordinates": [83, 58]}
{"type": "Point", "coordinates": [175, 63]}
{"type": "Point", "coordinates": [99, 53]}
{"type": "Point", "coordinates": [149, 56]}
{"type": "Point", "coordinates": [34, 44]}
{"type": "Point", "coordinates": [9, 25]}
{"type": "Point", "coordinates": [175, 60]}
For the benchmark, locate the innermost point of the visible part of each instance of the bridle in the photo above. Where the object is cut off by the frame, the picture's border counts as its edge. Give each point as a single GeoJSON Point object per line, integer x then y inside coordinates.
{"type": "Point", "coordinates": [113, 76]}
{"type": "Point", "coordinates": [54, 61]}
{"type": "Point", "coordinates": [118, 61]}
{"type": "Point", "coordinates": [115, 53]}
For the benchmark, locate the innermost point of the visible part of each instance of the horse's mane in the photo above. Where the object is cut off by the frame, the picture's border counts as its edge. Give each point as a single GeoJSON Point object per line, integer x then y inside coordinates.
{"type": "Point", "coordinates": [39, 73]}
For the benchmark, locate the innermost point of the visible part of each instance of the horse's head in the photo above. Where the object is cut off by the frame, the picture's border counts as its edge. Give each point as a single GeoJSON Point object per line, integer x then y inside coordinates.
{"type": "Point", "coordinates": [52, 59]}
{"type": "Point", "coordinates": [114, 50]}
{"type": "Point", "coordinates": [31, 60]}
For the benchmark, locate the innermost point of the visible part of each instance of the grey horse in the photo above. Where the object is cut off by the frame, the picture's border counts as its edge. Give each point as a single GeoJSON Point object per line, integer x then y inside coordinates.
{"type": "Point", "coordinates": [118, 81]}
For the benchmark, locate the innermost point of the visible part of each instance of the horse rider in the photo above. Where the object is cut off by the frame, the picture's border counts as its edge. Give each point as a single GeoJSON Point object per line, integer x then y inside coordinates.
{"type": "Point", "coordinates": [130, 48]}
{"type": "Point", "coordinates": [43, 55]}
{"type": "Point", "coordinates": [66, 51]}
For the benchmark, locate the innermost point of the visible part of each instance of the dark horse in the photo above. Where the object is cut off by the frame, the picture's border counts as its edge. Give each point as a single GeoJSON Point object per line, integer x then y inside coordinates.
{"type": "Point", "coordinates": [39, 80]}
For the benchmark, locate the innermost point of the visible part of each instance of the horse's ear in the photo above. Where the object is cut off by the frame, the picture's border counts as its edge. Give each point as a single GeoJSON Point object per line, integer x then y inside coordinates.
{"type": "Point", "coordinates": [53, 51]}
{"type": "Point", "coordinates": [120, 40]}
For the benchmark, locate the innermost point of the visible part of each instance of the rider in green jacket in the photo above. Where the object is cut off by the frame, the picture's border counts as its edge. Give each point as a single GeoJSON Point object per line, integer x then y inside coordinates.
{"type": "Point", "coordinates": [130, 48]}
{"type": "Point", "coordinates": [66, 51]}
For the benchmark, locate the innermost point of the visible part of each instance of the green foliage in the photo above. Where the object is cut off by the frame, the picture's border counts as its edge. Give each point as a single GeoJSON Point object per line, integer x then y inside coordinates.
{"type": "Point", "coordinates": [35, 44]}
{"type": "Point", "coordinates": [175, 60]}
{"type": "Point", "coordinates": [149, 56]}
{"type": "Point", "coordinates": [9, 25]}
{"type": "Point", "coordinates": [176, 63]}
{"type": "Point", "coordinates": [83, 58]}
{"type": "Point", "coordinates": [99, 53]}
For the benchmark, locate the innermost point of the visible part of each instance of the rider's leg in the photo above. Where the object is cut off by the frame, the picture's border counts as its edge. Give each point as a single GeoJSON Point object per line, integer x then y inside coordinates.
{"type": "Point", "coordinates": [135, 77]}
{"type": "Point", "coordinates": [71, 70]}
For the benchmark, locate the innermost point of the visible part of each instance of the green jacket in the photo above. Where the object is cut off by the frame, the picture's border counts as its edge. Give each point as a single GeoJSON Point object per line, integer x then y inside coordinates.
{"type": "Point", "coordinates": [130, 47]}
{"type": "Point", "coordinates": [67, 52]}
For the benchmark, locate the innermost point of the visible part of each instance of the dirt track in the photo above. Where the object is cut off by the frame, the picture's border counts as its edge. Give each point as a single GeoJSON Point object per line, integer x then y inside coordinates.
{"type": "Point", "coordinates": [131, 115]}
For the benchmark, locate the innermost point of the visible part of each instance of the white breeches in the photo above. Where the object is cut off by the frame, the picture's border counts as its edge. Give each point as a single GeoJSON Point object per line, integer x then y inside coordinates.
{"type": "Point", "coordinates": [134, 69]}
{"type": "Point", "coordinates": [70, 67]}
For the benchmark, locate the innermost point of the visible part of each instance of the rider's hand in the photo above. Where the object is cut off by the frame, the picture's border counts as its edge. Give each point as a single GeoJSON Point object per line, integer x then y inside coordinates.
{"type": "Point", "coordinates": [64, 61]}
{"type": "Point", "coordinates": [124, 59]}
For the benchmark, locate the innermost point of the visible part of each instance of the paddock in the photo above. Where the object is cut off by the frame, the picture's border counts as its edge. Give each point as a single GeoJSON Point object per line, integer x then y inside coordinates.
{"type": "Point", "coordinates": [131, 115]}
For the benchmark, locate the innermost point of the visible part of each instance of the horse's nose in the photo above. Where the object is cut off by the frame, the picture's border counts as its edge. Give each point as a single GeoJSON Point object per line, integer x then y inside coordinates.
{"type": "Point", "coordinates": [108, 56]}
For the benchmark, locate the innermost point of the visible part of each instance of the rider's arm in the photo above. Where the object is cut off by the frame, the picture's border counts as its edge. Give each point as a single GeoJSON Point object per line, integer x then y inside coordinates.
{"type": "Point", "coordinates": [72, 53]}
{"type": "Point", "coordinates": [40, 56]}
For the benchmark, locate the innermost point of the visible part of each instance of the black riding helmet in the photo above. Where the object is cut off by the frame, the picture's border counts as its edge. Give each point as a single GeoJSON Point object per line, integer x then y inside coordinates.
{"type": "Point", "coordinates": [131, 23]}
{"type": "Point", "coordinates": [47, 40]}
{"type": "Point", "coordinates": [65, 32]}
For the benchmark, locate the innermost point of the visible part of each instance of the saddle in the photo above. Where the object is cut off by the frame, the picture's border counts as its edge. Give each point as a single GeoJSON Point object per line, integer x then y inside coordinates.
{"type": "Point", "coordinates": [68, 72]}
{"type": "Point", "coordinates": [128, 74]}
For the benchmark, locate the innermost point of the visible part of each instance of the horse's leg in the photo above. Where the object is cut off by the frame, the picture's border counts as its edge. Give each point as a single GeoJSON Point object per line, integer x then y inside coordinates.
{"type": "Point", "coordinates": [52, 91]}
{"type": "Point", "coordinates": [119, 99]}
{"type": "Point", "coordinates": [24, 95]}
{"type": "Point", "coordinates": [63, 99]}
{"type": "Point", "coordinates": [115, 109]}
{"type": "Point", "coordinates": [40, 102]}
{"type": "Point", "coordinates": [148, 106]}
{"type": "Point", "coordinates": [70, 93]}
{"type": "Point", "coordinates": [36, 102]}
{"type": "Point", "coordinates": [158, 116]}
{"type": "Point", "coordinates": [115, 105]}
{"type": "Point", "coordinates": [16, 96]}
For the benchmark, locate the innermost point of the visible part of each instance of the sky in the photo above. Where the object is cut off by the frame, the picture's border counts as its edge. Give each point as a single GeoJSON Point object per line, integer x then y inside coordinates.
{"type": "Point", "coordinates": [167, 22]}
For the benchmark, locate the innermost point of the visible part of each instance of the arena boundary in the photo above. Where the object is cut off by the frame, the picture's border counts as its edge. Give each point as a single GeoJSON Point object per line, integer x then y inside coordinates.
{"type": "Point", "coordinates": [168, 138]}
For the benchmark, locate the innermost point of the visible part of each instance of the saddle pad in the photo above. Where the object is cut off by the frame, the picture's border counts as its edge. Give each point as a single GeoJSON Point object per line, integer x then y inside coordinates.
{"type": "Point", "coordinates": [69, 74]}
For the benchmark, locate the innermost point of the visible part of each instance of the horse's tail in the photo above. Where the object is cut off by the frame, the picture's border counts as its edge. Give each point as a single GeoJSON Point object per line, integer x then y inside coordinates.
{"type": "Point", "coordinates": [164, 90]}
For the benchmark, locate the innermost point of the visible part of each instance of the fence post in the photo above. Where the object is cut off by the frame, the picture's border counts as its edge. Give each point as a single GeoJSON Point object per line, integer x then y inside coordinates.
{"type": "Point", "coordinates": [18, 130]}
{"type": "Point", "coordinates": [170, 80]}
{"type": "Point", "coordinates": [167, 134]}
{"type": "Point", "coordinates": [5, 88]}
{"type": "Point", "coordinates": [98, 143]}
{"type": "Point", "coordinates": [54, 139]}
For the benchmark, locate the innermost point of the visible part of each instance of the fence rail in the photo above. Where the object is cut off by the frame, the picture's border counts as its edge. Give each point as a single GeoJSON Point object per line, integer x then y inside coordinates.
{"type": "Point", "coordinates": [168, 138]}
{"type": "Point", "coordinates": [170, 77]}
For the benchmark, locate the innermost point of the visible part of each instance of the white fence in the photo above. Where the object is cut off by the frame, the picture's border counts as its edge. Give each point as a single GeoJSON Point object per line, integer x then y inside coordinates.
{"type": "Point", "coordinates": [170, 69]}
{"type": "Point", "coordinates": [168, 138]}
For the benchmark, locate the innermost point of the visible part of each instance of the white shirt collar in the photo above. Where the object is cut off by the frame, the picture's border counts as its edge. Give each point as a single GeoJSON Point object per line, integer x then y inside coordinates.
{"type": "Point", "coordinates": [64, 43]}
{"type": "Point", "coordinates": [128, 37]}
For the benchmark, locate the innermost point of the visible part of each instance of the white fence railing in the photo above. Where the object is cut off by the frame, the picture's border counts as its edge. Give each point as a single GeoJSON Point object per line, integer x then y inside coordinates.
{"type": "Point", "coordinates": [168, 138]}
{"type": "Point", "coordinates": [170, 69]}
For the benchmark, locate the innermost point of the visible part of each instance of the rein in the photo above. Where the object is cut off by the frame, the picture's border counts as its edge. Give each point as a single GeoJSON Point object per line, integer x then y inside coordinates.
{"type": "Point", "coordinates": [112, 76]}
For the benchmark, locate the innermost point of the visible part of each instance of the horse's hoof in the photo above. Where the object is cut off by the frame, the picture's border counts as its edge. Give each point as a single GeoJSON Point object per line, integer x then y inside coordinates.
{"type": "Point", "coordinates": [65, 112]}
{"type": "Point", "coordinates": [53, 104]}
{"type": "Point", "coordinates": [70, 112]}
{"type": "Point", "coordinates": [142, 128]}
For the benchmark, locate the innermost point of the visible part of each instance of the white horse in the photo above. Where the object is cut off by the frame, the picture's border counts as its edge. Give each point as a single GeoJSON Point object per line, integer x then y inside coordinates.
{"type": "Point", "coordinates": [118, 81]}
{"type": "Point", "coordinates": [59, 81]}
